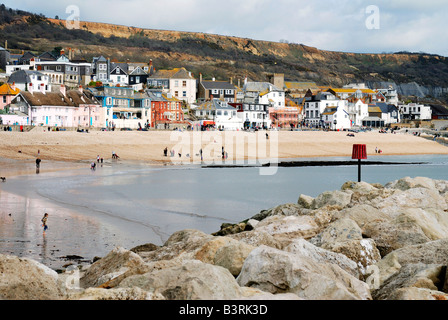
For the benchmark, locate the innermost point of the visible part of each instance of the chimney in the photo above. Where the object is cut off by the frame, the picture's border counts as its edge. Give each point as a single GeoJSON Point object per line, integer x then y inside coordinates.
{"type": "Point", "coordinates": [42, 88]}
{"type": "Point", "coordinates": [245, 80]}
{"type": "Point", "coordinates": [213, 79]}
{"type": "Point", "coordinates": [200, 77]}
{"type": "Point", "coordinates": [69, 53]}
{"type": "Point", "coordinates": [63, 90]}
{"type": "Point", "coordinates": [80, 89]}
{"type": "Point", "coordinates": [6, 44]}
{"type": "Point", "coordinates": [62, 52]}
{"type": "Point", "coordinates": [13, 86]}
{"type": "Point", "coordinates": [231, 80]}
{"type": "Point", "coordinates": [30, 88]}
{"type": "Point", "coordinates": [150, 63]}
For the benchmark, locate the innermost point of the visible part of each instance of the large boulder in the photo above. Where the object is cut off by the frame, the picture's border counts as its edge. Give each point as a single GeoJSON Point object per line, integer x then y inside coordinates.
{"type": "Point", "coordinates": [433, 252]}
{"type": "Point", "coordinates": [304, 248]}
{"type": "Point", "coordinates": [277, 271]}
{"type": "Point", "coordinates": [26, 279]}
{"type": "Point", "coordinates": [340, 231]}
{"type": "Point", "coordinates": [193, 280]}
{"type": "Point", "coordinates": [332, 198]}
{"type": "Point", "coordinates": [390, 235]}
{"type": "Point", "coordinates": [286, 228]}
{"type": "Point", "coordinates": [225, 252]}
{"type": "Point", "coordinates": [118, 263]}
{"type": "Point", "coordinates": [181, 244]}
{"type": "Point", "coordinates": [418, 275]}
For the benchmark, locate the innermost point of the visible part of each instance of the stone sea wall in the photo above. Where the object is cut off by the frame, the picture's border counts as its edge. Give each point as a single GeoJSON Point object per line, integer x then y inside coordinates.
{"type": "Point", "coordinates": [362, 242]}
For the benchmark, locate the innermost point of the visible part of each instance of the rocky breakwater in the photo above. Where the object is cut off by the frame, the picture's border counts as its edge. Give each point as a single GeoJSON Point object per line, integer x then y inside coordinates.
{"type": "Point", "coordinates": [362, 242]}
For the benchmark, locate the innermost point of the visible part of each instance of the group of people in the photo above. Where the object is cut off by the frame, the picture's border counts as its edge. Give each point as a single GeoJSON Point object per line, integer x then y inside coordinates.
{"type": "Point", "coordinates": [378, 150]}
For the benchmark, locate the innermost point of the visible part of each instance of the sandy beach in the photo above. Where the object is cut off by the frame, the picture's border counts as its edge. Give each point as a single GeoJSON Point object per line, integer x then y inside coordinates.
{"type": "Point", "coordinates": [148, 146]}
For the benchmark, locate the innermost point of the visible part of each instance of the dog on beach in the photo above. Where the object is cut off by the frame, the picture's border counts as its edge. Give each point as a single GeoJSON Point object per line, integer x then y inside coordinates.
{"type": "Point", "coordinates": [3, 179]}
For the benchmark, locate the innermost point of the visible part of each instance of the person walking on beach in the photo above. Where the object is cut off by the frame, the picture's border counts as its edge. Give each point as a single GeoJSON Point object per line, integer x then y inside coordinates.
{"type": "Point", "coordinates": [44, 222]}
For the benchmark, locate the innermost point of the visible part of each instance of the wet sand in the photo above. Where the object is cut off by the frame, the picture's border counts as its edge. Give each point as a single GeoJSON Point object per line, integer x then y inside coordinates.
{"type": "Point", "coordinates": [82, 235]}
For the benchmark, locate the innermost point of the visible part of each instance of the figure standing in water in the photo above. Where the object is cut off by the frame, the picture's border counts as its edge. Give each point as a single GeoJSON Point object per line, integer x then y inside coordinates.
{"type": "Point", "coordinates": [44, 222]}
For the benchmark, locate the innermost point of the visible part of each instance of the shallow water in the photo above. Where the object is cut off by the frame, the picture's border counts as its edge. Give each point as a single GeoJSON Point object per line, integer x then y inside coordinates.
{"type": "Point", "coordinates": [120, 204]}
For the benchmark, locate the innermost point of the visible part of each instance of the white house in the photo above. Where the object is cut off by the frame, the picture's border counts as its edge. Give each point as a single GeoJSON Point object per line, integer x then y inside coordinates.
{"type": "Point", "coordinates": [30, 80]}
{"type": "Point", "coordinates": [314, 107]}
{"type": "Point", "coordinates": [336, 118]}
{"type": "Point", "coordinates": [357, 112]}
{"type": "Point", "coordinates": [180, 83]}
{"type": "Point", "coordinates": [414, 111]}
{"type": "Point", "coordinates": [265, 93]}
{"type": "Point", "coordinates": [221, 113]}
{"type": "Point", "coordinates": [119, 74]}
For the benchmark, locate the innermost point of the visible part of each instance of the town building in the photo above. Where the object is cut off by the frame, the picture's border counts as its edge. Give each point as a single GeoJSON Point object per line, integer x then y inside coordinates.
{"type": "Point", "coordinates": [414, 111]}
{"type": "Point", "coordinates": [166, 110]}
{"type": "Point", "coordinates": [66, 108]}
{"type": "Point", "coordinates": [254, 115]}
{"type": "Point", "coordinates": [211, 89]}
{"type": "Point", "coordinates": [264, 93]}
{"type": "Point", "coordinates": [30, 80]}
{"type": "Point", "coordinates": [221, 114]}
{"type": "Point", "coordinates": [179, 82]}
{"type": "Point", "coordinates": [315, 107]}
{"type": "Point", "coordinates": [7, 93]}
{"type": "Point", "coordinates": [122, 107]}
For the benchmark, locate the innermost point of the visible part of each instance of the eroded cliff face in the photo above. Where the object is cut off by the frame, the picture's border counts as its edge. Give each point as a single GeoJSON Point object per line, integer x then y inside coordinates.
{"type": "Point", "coordinates": [297, 61]}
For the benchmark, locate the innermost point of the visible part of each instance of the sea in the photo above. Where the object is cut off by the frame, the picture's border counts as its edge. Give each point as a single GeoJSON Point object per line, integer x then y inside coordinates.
{"type": "Point", "coordinates": [126, 204]}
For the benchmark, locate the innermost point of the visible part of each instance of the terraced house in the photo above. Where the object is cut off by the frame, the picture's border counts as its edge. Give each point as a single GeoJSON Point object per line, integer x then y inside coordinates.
{"type": "Point", "coordinates": [66, 108]}
{"type": "Point", "coordinates": [179, 82]}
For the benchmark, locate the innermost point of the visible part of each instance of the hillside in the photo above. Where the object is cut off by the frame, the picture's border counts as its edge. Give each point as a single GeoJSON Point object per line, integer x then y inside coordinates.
{"type": "Point", "coordinates": [223, 57]}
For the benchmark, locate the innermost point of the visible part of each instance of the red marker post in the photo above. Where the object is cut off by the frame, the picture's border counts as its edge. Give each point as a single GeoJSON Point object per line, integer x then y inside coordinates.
{"type": "Point", "coordinates": [359, 152]}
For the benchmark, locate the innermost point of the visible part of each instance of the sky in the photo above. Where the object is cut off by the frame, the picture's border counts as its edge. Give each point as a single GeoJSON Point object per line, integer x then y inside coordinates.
{"type": "Point", "coordinates": [361, 26]}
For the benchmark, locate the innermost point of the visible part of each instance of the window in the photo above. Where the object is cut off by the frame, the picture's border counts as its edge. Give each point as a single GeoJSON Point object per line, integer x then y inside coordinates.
{"type": "Point", "coordinates": [176, 93]}
{"type": "Point", "coordinates": [184, 93]}
{"type": "Point", "coordinates": [184, 83]}
{"type": "Point", "coordinates": [176, 83]}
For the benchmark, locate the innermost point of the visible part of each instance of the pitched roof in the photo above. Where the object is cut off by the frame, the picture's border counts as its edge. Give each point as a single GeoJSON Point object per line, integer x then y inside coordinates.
{"type": "Point", "coordinates": [176, 73]}
{"type": "Point", "coordinates": [73, 98]}
{"type": "Point", "coordinates": [6, 89]}
{"type": "Point", "coordinates": [217, 85]}
{"type": "Point", "coordinates": [23, 76]}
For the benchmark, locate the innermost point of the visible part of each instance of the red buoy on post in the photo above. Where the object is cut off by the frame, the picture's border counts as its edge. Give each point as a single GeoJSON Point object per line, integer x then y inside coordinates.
{"type": "Point", "coordinates": [359, 152]}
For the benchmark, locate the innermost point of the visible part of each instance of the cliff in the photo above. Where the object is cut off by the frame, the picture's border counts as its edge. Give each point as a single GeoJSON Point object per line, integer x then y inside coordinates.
{"type": "Point", "coordinates": [223, 57]}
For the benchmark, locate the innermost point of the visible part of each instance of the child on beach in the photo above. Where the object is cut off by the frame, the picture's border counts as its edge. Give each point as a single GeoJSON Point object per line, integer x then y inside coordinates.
{"type": "Point", "coordinates": [44, 222]}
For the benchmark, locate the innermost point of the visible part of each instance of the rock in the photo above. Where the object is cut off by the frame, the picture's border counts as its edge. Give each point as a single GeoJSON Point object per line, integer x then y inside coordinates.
{"type": "Point", "coordinates": [393, 235]}
{"type": "Point", "coordinates": [181, 243]}
{"type": "Point", "coordinates": [115, 294]}
{"type": "Point", "coordinates": [277, 271]}
{"type": "Point", "coordinates": [228, 229]}
{"type": "Point", "coordinates": [225, 252]}
{"type": "Point", "coordinates": [363, 252]}
{"type": "Point", "coordinates": [26, 279]}
{"type": "Point", "coordinates": [407, 183]}
{"type": "Point", "coordinates": [193, 280]}
{"type": "Point", "coordinates": [362, 214]}
{"type": "Point", "coordinates": [433, 252]}
{"type": "Point", "coordinates": [360, 187]}
{"type": "Point", "coordinates": [340, 231]}
{"type": "Point", "coordinates": [148, 247]}
{"type": "Point", "coordinates": [257, 238]}
{"type": "Point", "coordinates": [413, 293]}
{"type": "Point", "coordinates": [305, 201]}
{"type": "Point", "coordinates": [286, 228]}
{"type": "Point", "coordinates": [118, 263]}
{"type": "Point", "coordinates": [252, 223]}
{"type": "Point", "coordinates": [333, 198]}
{"type": "Point", "coordinates": [306, 249]}
{"type": "Point", "coordinates": [417, 275]}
